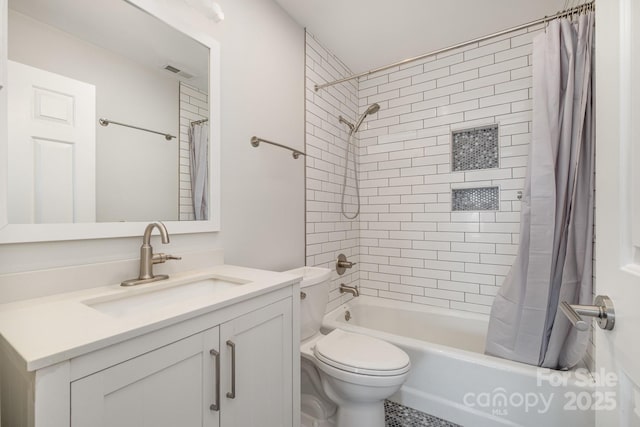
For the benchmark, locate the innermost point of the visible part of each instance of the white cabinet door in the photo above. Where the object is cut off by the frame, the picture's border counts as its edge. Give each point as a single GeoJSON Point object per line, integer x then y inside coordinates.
{"type": "Point", "coordinates": [168, 387]}
{"type": "Point", "coordinates": [260, 345]}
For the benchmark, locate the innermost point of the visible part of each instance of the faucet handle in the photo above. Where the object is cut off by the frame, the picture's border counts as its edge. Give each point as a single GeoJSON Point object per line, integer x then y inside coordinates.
{"type": "Point", "coordinates": [160, 258]}
{"type": "Point", "coordinates": [342, 264]}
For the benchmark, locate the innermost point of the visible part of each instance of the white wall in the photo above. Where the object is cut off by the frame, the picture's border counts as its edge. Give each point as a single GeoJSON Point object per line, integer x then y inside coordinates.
{"type": "Point", "coordinates": [262, 95]}
{"type": "Point", "coordinates": [128, 185]}
{"type": "Point", "coordinates": [262, 189]}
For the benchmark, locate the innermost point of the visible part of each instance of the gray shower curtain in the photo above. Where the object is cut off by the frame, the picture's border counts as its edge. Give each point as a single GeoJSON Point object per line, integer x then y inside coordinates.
{"type": "Point", "coordinates": [554, 260]}
{"type": "Point", "coordinates": [199, 156]}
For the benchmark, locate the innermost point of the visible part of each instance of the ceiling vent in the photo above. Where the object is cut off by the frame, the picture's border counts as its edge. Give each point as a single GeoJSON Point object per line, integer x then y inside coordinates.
{"type": "Point", "coordinates": [178, 71]}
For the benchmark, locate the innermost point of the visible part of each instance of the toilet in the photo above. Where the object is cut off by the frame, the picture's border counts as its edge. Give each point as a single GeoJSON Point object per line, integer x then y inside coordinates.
{"type": "Point", "coordinates": [345, 376]}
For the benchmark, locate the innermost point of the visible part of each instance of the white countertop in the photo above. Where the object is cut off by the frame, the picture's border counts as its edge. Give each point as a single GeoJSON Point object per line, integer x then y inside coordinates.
{"type": "Point", "coordinates": [49, 330]}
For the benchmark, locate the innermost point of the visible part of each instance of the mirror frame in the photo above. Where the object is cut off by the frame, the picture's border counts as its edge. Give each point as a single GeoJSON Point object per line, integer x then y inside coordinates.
{"type": "Point", "coordinates": [20, 233]}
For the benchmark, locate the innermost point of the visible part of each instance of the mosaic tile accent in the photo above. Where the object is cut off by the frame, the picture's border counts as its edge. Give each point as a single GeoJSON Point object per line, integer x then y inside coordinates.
{"type": "Point", "coordinates": [396, 415]}
{"type": "Point", "coordinates": [475, 199]}
{"type": "Point", "coordinates": [475, 148]}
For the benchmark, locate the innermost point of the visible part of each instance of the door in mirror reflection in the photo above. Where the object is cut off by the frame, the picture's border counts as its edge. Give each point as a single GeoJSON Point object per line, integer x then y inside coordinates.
{"type": "Point", "coordinates": [52, 146]}
{"type": "Point", "coordinates": [144, 74]}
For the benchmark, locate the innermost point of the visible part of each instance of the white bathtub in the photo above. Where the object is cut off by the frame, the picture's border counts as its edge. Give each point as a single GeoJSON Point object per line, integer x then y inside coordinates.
{"type": "Point", "coordinates": [451, 378]}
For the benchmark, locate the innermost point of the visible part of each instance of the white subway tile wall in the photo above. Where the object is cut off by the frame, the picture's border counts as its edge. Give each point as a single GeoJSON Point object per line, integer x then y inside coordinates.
{"type": "Point", "coordinates": [412, 246]}
{"type": "Point", "coordinates": [194, 105]}
{"type": "Point", "coordinates": [328, 232]}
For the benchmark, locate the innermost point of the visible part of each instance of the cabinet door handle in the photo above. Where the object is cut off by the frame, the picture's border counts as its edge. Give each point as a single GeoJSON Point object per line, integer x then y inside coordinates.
{"type": "Point", "coordinates": [232, 394]}
{"type": "Point", "coordinates": [216, 355]}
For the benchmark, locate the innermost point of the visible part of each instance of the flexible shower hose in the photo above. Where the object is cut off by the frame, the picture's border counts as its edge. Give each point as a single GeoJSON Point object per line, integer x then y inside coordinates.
{"type": "Point", "coordinates": [344, 182]}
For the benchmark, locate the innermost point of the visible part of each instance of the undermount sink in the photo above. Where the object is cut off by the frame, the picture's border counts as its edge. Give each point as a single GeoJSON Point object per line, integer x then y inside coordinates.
{"type": "Point", "coordinates": [157, 296]}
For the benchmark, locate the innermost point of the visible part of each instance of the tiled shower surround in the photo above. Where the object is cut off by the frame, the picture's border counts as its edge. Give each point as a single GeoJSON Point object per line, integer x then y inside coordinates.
{"type": "Point", "coordinates": [409, 243]}
{"type": "Point", "coordinates": [413, 247]}
{"type": "Point", "coordinates": [328, 233]}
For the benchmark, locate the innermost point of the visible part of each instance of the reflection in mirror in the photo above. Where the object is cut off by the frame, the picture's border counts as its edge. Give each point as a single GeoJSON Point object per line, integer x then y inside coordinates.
{"type": "Point", "coordinates": [72, 63]}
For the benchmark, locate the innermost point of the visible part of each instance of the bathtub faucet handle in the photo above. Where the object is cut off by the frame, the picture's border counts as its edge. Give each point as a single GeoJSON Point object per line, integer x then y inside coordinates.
{"type": "Point", "coordinates": [342, 264]}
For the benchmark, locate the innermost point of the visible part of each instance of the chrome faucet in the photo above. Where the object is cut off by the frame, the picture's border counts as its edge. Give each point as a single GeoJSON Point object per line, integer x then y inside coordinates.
{"type": "Point", "coordinates": [353, 290]}
{"type": "Point", "coordinates": [148, 258]}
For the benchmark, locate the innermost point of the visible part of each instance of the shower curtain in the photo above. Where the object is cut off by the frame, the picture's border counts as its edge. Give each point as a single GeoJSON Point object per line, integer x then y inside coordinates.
{"type": "Point", "coordinates": [554, 260]}
{"type": "Point", "coordinates": [199, 156]}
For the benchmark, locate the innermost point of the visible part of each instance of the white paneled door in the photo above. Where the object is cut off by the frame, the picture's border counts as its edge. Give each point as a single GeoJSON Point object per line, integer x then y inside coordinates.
{"type": "Point", "coordinates": [52, 135]}
{"type": "Point", "coordinates": [617, 399]}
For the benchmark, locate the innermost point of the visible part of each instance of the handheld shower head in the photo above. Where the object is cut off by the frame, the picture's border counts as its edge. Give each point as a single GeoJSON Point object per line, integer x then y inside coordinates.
{"type": "Point", "coordinates": [372, 109]}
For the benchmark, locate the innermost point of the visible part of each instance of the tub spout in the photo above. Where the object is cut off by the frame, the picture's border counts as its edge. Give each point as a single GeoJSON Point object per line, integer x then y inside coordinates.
{"type": "Point", "coordinates": [353, 290]}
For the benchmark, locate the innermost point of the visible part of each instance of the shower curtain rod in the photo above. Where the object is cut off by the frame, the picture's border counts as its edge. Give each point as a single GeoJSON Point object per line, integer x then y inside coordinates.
{"type": "Point", "coordinates": [578, 9]}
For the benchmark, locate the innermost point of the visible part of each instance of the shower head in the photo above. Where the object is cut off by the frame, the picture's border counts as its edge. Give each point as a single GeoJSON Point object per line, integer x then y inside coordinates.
{"type": "Point", "coordinates": [372, 109]}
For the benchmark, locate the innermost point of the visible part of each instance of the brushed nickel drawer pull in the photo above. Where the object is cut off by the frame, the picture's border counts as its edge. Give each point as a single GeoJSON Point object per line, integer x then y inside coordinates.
{"type": "Point", "coordinates": [232, 394]}
{"type": "Point", "coordinates": [216, 355]}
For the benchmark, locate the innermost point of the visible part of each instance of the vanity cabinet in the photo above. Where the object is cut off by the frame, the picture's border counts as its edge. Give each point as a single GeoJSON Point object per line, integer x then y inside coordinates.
{"type": "Point", "coordinates": [233, 367]}
{"type": "Point", "coordinates": [235, 375]}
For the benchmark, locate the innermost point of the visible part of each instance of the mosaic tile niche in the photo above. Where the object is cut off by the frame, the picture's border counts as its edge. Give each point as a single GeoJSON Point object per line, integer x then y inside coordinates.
{"type": "Point", "coordinates": [475, 148]}
{"type": "Point", "coordinates": [475, 199]}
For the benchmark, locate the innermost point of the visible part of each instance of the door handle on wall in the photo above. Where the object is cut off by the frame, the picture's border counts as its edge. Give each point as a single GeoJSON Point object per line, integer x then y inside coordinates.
{"type": "Point", "coordinates": [602, 310]}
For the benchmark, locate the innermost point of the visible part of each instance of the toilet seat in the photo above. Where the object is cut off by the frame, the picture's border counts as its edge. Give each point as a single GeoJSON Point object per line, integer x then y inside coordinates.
{"type": "Point", "coordinates": [361, 354]}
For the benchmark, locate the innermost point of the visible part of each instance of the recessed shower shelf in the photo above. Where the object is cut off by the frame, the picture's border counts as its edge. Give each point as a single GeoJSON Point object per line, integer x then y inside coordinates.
{"type": "Point", "coordinates": [475, 148]}
{"type": "Point", "coordinates": [475, 199]}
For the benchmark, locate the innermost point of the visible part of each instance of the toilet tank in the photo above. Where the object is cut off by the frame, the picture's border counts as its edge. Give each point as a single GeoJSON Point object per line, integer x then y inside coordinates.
{"type": "Point", "coordinates": [314, 289]}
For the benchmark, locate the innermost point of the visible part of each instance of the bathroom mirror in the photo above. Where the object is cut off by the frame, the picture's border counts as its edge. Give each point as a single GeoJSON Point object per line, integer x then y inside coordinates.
{"type": "Point", "coordinates": [111, 120]}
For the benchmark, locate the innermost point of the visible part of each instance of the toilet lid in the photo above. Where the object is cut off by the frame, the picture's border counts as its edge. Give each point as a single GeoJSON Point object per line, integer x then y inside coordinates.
{"type": "Point", "coordinates": [361, 354]}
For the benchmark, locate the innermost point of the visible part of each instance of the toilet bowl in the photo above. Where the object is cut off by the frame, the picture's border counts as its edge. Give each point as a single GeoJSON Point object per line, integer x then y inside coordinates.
{"type": "Point", "coordinates": [346, 376]}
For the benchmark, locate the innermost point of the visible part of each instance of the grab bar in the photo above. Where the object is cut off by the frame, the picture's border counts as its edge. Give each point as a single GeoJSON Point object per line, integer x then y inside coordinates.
{"type": "Point", "coordinates": [107, 122]}
{"type": "Point", "coordinates": [255, 141]}
{"type": "Point", "coordinates": [602, 310]}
